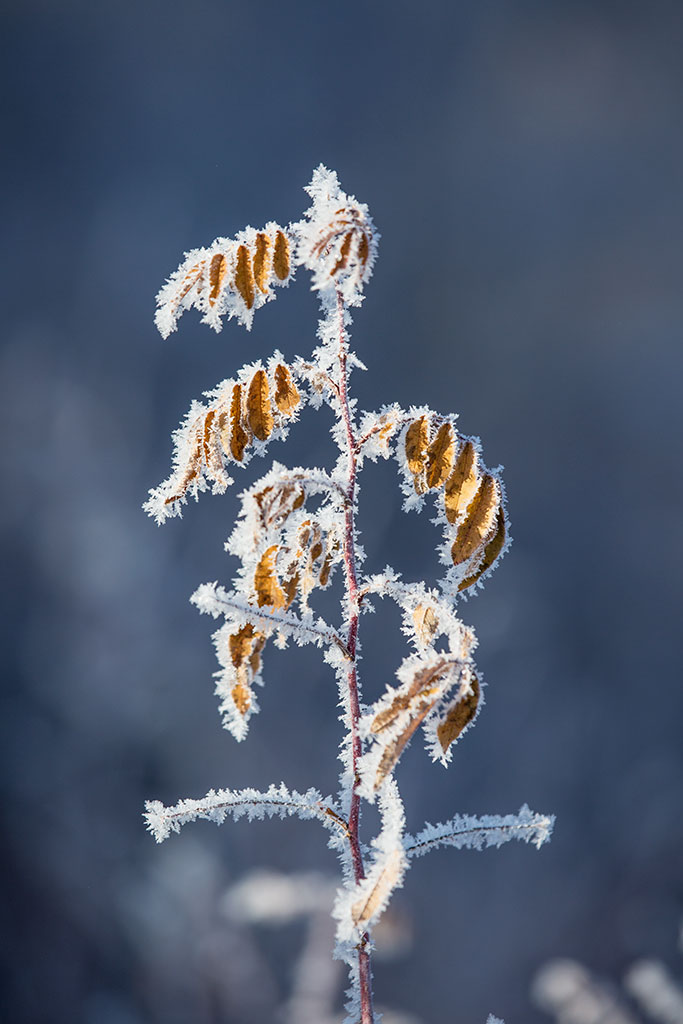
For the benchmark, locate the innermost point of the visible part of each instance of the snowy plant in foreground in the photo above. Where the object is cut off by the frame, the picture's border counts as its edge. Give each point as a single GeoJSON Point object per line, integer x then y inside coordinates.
{"type": "Point", "coordinates": [297, 528]}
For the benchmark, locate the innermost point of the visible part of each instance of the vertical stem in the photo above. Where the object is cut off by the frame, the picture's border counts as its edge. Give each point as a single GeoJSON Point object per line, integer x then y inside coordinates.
{"type": "Point", "coordinates": [364, 974]}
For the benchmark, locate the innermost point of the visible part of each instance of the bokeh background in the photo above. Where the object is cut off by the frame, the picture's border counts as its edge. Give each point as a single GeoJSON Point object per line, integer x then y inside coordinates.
{"type": "Point", "coordinates": [522, 161]}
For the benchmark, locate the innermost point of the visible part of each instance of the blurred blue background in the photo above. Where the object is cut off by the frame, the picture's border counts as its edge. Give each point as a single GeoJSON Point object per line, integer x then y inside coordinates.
{"type": "Point", "coordinates": [522, 161]}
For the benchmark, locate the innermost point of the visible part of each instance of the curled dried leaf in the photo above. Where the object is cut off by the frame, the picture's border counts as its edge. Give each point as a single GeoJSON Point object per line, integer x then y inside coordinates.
{"type": "Point", "coordinates": [480, 518]}
{"type": "Point", "coordinates": [290, 586]}
{"type": "Point", "coordinates": [276, 503]}
{"type": "Point", "coordinates": [286, 396]}
{"type": "Point", "coordinates": [385, 432]}
{"type": "Point", "coordinates": [330, 558]}
{"type": "Point", "coordinates": [269, 593]}
{"type": "Point", "coordinates": [459, 716]}
{"type": "Point", "coordinates": [417, 438]}
{"type": "Point", "coordinates": [241, 695]}
{"type": "Point", "coordinates": [244, 276]}
{"type": "Point", "coordinates": [281, 259]}
{"type": "Point", "coordinates": [211, 448]}
{"type": "Point", "coordinates": [491, 551]}
{"type": "Point", "coordinates": [363, 249]}
{"type": "Point", "coordinates": [241, 644]}
{"type": "Point", "coordinates": [194, 462]}
{"type": "Point", "coordinates": [194, 276]}
{"type": "Point", "coordinates": [440, 456]}
{"type": "Point", "coordinates": [462, 484]}
{"type": "Point", "coordinates": [344, 251]}
{"type": "Point", "coordinates": [364, 909]}
{"type": "Point", "coordinates": [259, 411]}
{"type": "Point", "coordinates": [426, 623]}
{"type": "Point", "coordinates": [261, 261]}
{"type": "Point", "coordinates": [255, 656]}
{"type": "Point", "coordinates": [218, 269]}
{"type": "Point", "coordinates": [238, 438]}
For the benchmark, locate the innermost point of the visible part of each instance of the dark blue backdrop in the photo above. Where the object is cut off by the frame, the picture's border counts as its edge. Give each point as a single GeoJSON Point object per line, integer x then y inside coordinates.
{"type": "Point", "coordinates": [523, 163]}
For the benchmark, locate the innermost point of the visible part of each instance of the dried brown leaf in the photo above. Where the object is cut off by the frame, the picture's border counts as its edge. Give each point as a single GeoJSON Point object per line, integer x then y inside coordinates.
{"type": "Point", "coordinates": [462, 484]}
{"type": "Point", "coordinates": [259, 412]}
{"type": "Point", "coordinates": [290, 586]}
{"type": "Point", "coordinates": [385, 432]}
{"type": "Point", "coordinates": [363, 248]}
{"type": "Point", "coordinates": [276, 504]}
{"type": "Point", "coordinates": [244, 276]}
{"type": "Point", "coordinates": [458, 716]}
{"type": "Point", "coordinates": [261, 261]}
{"type": "Point", "coordinates": [207, 441]}
{"type": "Point", "coordinates": [491, 551]}
{"type": "Point", "coordinates": [426, 623]}
{"type": "Point", "coordinates": [241, 644]}
{"type": "Point", "coordinates": [440, 456]}
{"type": "Point", "coordinates": [365, 909]}
{"type": "Point", "coordinates": [286, 396]}
{"type": "Point", "coordinates": [237, 437]}
{"type": "Point", "coordinates": [343, 253]}
{"type": "Point", "coordinates": [281, 264]}
{"type": "Point", "coordinates": [328, 563]}
{"type": "Point", "coordinates": [268, 590]}
{"type": "Point", "coordinates": [211, 448]}
{"type": "Point", "coordinates": [193, 466]}
{"type": "Point", "coordinates": [480, 518]}
{"type": "Point", "coordinates": [255, 656]}
{"type": "Point", "coordinates": [218, 268]}
{"type": "Point", "coordinates": [417, 438]}
{"type": "Point", "coordinates": [192, 277]}
{"type": "Point", "coordinates": [241, 695]}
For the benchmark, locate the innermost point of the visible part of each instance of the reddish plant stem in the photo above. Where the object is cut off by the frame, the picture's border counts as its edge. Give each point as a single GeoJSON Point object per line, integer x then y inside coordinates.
{"type": "Point", "coordinates": [364, 974]}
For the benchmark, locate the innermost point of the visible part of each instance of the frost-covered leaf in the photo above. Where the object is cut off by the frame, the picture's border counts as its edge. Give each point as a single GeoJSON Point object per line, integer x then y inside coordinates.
{"type": "Point", "coordinates": [464, 830]}
{"type": "Point", "coordinates": [440, 456]}
{"type": "Point", "coordinates": [235, 441]}
{"type": "Point", "coordinates": [459, 715]}
{"type": "Point", "coordinates": [286, 396]}
{"type": "Point", "coordinates": [238, 649]}
{"type": "Point", "coordinates": [462, 484]}
{"type": "Point", "coordinates": [426, 622]}
{"type": "Point", "coordinates": [259, 411]}
{"type": "Point", "coordinates": [385, 878]}
{"type": "Point", "coordinates": [416, 440]}
{"type": "Point", "coordinates": [359, 905]}
{"type": "Point", "coordinates": [268, 590]}
{"type": "Point", "coordinates": [250, 803]}
{"type": "Point", "coordinates": [492, 550]}
{"type": "Point", "coordinates": [479, 522]}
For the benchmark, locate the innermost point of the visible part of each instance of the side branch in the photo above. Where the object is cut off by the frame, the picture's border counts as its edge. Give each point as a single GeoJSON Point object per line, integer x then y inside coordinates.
{"type": "Point", "coordinates": [217, 805]}
{"type": "Point", "coordinates": [214, 600]}
{"type": "Point", "coordinates": [477, 833]}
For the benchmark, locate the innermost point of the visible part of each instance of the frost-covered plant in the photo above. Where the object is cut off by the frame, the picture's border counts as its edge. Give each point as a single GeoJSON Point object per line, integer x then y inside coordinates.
{"type": "Point", "coordinates": [297, 528]}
